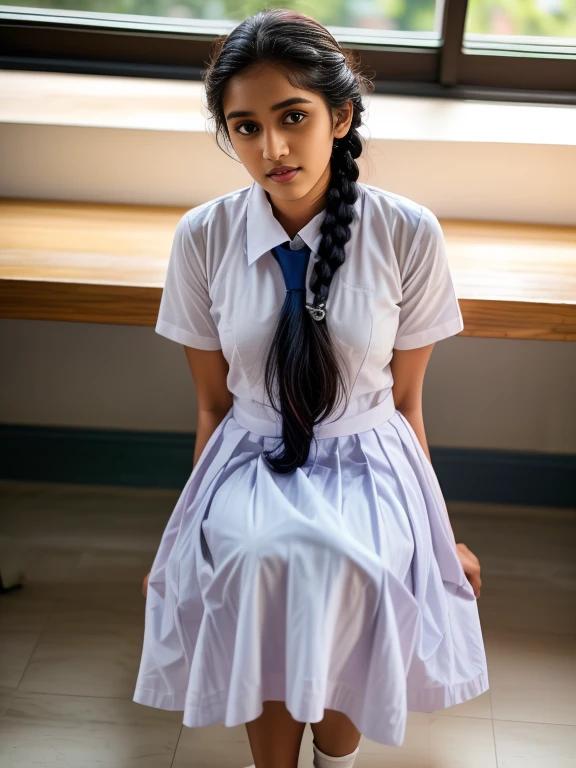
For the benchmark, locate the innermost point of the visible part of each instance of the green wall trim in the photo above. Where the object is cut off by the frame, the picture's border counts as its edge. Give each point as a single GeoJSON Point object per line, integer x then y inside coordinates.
{"type": "Point", "coordinates": [164, 460]}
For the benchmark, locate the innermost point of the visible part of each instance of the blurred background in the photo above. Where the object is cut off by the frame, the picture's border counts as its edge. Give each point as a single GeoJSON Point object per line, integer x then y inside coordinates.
{"type": "Point", "coordinates": [532, 18]}
{"type": "Point", "coordinates": [104, 143]}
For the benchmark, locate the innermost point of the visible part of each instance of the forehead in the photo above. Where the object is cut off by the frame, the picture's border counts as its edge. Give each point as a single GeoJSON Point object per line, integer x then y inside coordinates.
{"type": "Point", "coordinates": [260, 86]}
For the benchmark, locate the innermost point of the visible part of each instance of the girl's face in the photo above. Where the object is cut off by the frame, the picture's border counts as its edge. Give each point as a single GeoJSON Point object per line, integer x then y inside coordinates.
{"type": "Point", "coordinates": [273, 124]}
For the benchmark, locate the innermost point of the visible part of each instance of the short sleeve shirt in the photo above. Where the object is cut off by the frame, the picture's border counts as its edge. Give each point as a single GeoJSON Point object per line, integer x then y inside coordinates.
{"type": "Point", "coordinates": [224, 289]}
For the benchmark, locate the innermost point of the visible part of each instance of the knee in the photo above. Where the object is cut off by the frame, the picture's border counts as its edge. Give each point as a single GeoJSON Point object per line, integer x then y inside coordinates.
{"type": "Point", "coordinates": [335, 735]}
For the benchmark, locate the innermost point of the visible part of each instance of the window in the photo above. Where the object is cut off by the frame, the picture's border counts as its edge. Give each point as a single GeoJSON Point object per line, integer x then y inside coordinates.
{"type": "Point", "coordinates": [546, 22]}
{"type": "Point", "coordinates": [362, 14]}
{"type": "Point", "coordinates": [484, 49]}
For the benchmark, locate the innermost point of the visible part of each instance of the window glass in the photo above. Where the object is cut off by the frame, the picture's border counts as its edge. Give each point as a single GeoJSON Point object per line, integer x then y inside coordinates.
{"type": "Point", "coordinates": [544, 22]}
{"type": "Point", "coordinates": [383, 15]}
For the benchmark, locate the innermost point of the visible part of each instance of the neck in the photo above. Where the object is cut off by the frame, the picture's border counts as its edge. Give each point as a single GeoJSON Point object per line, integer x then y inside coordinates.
{"type": "Point", "coordinates": [295, 214]}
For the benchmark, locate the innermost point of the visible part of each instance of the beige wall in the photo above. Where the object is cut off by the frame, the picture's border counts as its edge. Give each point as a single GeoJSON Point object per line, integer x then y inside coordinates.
{"type": "Point", "coordinates": [479, 393]}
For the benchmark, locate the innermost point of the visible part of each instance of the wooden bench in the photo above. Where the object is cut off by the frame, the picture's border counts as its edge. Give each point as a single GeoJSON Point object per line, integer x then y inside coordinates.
{"type": "Point", "coordinates": [105, 263]}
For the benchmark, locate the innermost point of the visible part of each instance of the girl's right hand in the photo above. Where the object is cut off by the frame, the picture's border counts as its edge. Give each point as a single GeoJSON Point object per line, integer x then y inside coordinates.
{"type": "Point", "coordinates": [145, 584]}
{"type": "Point", "coordinates": [471, 567]}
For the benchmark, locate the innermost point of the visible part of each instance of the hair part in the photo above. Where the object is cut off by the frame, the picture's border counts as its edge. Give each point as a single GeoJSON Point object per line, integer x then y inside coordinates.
{"type": "Point", "coordinates": [303, 378]}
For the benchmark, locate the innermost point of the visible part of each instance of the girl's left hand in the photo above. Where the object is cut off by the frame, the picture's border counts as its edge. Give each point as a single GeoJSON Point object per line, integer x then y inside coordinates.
{"type": "Point", "coordinates": [145, 585]}
{"type": "Point", "coordinates": [471, 566]}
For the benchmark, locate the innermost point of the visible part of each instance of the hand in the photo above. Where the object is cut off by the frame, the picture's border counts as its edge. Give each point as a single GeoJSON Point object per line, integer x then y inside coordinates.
{"type": "Point", "coordinates": [145, 584]}
{"type": "Point", "coordinates": [471, 566]}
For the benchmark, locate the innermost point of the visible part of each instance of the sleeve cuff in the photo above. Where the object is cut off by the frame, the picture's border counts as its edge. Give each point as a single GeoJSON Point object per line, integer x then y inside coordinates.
{"type": "Point", "coordinates": [186, 337]}
{"type": "Point", "coordinates": [430, 335]}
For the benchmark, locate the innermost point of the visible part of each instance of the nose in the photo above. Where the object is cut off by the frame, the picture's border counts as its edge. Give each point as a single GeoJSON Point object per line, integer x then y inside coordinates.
{"type": "Point", "coordinates": [274, 146]}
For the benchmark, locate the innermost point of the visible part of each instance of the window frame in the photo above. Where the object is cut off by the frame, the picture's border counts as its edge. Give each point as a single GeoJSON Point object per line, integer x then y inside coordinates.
{"type": "Point", "coordinates": [413, 64]}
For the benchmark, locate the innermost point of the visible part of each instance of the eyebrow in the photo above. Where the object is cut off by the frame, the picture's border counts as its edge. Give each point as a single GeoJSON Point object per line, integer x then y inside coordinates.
{"type": "Point", "coordinates": [273, 108]}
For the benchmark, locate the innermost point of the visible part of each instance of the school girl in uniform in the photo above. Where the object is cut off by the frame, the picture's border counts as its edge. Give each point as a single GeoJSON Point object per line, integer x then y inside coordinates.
{"type": "Point", "coordinates": [308, 572]}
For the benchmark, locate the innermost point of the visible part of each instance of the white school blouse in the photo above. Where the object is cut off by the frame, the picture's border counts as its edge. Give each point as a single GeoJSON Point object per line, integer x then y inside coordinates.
{"type": "Point", "coordinates": [224, 289]}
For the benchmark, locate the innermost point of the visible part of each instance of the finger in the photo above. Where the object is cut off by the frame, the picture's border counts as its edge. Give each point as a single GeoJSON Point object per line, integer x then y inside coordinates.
{"type": "Point", "coordinates": [475, 583]}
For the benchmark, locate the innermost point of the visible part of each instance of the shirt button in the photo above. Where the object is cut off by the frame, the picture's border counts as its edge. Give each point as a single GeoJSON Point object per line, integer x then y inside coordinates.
{"type": "Point", "coordinates": [296, 243]}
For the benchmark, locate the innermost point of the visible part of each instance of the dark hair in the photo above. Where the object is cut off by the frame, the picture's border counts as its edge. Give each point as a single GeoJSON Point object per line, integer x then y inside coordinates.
{"type": "Point", "coordinates": [302, 362]}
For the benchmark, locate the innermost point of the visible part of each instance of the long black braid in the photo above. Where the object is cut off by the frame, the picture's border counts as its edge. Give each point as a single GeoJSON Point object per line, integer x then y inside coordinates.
{"type": "Point", "coordinates": [303, 377]}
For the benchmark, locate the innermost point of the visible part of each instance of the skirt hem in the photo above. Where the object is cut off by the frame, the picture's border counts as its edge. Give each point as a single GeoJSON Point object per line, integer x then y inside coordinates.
{"type": "Point", "coordinates": [384, 728]}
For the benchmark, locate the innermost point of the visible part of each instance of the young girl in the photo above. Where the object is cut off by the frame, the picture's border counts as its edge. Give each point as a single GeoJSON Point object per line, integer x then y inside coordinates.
{"type": "Point", "coordinates": [309, 572]}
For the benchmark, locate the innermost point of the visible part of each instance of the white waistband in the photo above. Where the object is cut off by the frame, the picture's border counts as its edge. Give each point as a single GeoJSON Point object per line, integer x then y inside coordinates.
{"type": "Point", "coordinates": [349, 425]}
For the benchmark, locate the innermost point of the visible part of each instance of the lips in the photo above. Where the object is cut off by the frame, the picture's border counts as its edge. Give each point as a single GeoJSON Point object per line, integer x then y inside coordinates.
{"type": "Point", "coordinates": [284, 178]}
{"type": "Point", "coordinates": [283, 169]}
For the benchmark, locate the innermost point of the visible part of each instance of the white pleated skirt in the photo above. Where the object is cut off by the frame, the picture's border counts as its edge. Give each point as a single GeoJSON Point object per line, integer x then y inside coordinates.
{"type": "Point", "coordinates": [335, 587]}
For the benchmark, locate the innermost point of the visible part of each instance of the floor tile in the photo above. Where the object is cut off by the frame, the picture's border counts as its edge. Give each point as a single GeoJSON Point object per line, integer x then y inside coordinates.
{"type": "Point", "coordinates": [91, 659]}
{"type": "Point", "coordinates": [414, 752]}
{"type": "Point", "coordinates": [461, 742]}
{"type": "Point", "coordinates": [534, 745]}
{"type": "Point", "coordinates": [74, 731]}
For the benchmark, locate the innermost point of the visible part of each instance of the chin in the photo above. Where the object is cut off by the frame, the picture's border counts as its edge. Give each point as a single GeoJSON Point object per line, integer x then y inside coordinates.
{"type": "Point", "coordinates": [285, 191]}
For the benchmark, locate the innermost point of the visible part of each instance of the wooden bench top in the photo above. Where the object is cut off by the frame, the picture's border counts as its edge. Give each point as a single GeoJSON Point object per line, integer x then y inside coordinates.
{"type": "Point", "coordinates": [105, 263]}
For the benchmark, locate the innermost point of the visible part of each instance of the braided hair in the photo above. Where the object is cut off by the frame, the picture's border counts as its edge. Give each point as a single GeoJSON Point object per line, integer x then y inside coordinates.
{"type": "Point", "coordinates": [302, 378]}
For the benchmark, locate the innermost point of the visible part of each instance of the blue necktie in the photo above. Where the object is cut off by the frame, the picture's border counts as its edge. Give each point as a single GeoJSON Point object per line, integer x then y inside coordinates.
{"type": "Point", "coordinates": [294, 265]}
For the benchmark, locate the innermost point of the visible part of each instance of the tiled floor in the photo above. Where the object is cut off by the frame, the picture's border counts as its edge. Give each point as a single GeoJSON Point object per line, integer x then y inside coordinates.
{"type": "Point", "coordinates": [70, 642]}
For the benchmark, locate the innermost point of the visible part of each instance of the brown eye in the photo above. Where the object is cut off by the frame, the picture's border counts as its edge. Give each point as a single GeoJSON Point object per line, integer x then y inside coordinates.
{"type": "Point", "coordinates": [249, 133]}
{"type": "Point", "coordinates": [237, 129]}
{"type": "Point", "coordinates": [297, 113]}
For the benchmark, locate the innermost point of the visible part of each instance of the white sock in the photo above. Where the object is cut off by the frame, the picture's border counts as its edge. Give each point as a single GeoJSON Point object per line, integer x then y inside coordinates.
{"type": "Point", "coordinates": [325, 761]}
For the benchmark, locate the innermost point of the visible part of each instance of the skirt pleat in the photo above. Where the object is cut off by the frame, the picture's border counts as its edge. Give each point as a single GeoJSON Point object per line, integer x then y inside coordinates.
{"type": "Point", "coordinates": [336, 587]}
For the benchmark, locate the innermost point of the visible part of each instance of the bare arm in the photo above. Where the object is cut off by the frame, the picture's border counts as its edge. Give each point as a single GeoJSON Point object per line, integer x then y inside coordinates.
{"type": "Point", "coordinates": [408, 367]}
{"type": "Point", "coordinates": [209, 370]}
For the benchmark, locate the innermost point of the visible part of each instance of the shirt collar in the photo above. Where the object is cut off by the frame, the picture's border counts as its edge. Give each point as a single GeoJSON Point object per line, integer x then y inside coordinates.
{"type": "Point", "coordinates": [264, 231]}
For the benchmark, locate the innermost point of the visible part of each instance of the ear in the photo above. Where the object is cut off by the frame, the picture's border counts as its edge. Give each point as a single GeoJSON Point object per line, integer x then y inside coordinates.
{"type": "Point", "coordinates": [344, 120]}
